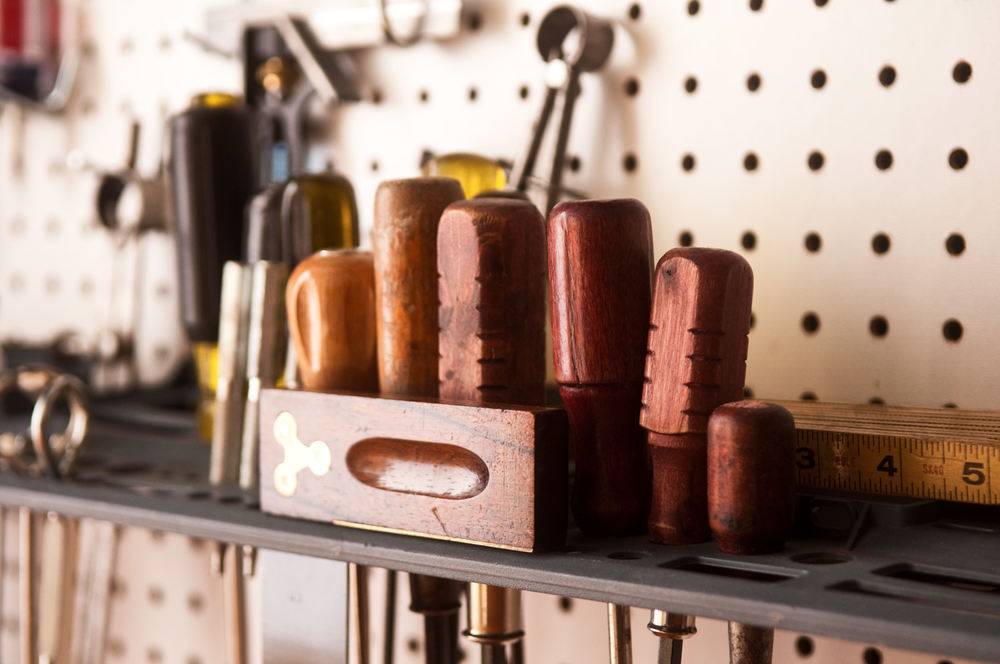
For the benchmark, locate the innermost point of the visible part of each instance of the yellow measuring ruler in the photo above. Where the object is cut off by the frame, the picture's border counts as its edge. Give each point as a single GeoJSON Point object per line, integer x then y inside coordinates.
{"type": "Point", "coordinates": [941, 454]}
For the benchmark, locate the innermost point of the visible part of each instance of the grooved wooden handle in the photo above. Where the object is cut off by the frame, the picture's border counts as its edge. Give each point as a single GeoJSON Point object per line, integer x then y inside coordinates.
{"type": "Point", "coordinates": [600, 260]}
{"type": "Point", "coordinates": [491, 265]}
{"type": "Point", "coordinates": [696, 361]}
{"type": "Point", "coordinates": [407, 213]}
{"type": "Point", "coordinates": [330, 300]}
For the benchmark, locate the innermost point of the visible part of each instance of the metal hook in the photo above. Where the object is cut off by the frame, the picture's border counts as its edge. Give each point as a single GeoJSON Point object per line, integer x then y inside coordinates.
{"type": "Point", "coordinates": [389, 31]}
{"type": "Point", "coordinates": [57, 452]}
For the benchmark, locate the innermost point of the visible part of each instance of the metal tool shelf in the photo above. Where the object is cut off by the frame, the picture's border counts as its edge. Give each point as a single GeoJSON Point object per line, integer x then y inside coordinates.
{"type": "Point", "coordinates": [914, 578]}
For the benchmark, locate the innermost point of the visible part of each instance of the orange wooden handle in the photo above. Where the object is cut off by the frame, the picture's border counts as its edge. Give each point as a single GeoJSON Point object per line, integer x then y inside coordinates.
{"type": "Point", "coordinates": [330, 300]}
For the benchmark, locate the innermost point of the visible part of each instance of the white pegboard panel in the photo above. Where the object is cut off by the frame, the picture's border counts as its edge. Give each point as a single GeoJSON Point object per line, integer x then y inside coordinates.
{"type": "Point", "coordinates": [676, 105]}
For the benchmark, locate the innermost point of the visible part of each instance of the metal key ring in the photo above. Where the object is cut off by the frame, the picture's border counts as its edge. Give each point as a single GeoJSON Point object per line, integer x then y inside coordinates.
{"type": "Point", "coordinates": [57, 460]}
{"type": "Point", "coordinates": [597, 37]}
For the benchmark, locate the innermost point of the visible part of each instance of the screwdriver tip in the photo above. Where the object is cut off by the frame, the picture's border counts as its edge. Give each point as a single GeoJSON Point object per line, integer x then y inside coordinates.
{"type": "Point", "coordinates": [671, 651]}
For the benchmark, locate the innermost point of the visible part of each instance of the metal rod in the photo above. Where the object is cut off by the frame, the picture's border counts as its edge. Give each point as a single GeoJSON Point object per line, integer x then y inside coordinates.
{"type": "Point", "coordinates": [26, 586]}
{"type": "Point", "coordinates": [389, 626]}
{"type": "Point", "coordinates": [749, 644]}
{"type": "Point", "coordinates": [619, 634]}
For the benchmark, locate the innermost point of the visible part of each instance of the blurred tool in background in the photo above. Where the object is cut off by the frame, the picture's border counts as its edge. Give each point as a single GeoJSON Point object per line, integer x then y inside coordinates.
{"type": "Point", "coordinates": [696, 361]}
{"type": "Point", "coordinates": [330, 301]}
{"type": "Point", "coordinates": [591, 42]}
{"type": "Point", "coordinates": [212, 178]}
{"type": "Point", "coordinates": [407, 214]}
{"type": "Point", "coordinates": [600, 256]}
{"type": "Point", "coordinates": [475, 173]}
{"type": "Point", "coordinates": [491, 261]}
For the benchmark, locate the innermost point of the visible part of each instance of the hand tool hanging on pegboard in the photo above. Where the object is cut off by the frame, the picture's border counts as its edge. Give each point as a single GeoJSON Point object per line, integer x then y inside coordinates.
{"type": "Point", "coordinates": [491, 261]}
{"type": "Point", "coordinates": [594, 39]}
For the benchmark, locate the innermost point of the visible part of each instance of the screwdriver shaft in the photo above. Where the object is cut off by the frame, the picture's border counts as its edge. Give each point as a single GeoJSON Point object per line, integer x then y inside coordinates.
{"type": "Point", "coordinates": [670, 651]}
{"type": "Point", "coordinates": [749, 644]}
{"type": "Point", "coordinates": [619, 634]}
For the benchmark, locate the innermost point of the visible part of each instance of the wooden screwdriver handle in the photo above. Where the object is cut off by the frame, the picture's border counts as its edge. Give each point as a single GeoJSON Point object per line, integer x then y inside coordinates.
{"type": "Point", "coordinates": [330, 300]}
{"type": "Point", "coordinates": [407, 213]}
{"type": "Point", "coordinates": [600, 261]}
{"type": "Point", "coordinates": [751, 476]}
{"type": "Point", "coordinates": [696, 361]}
{"type": "Point", "coordinates": [491, 262]}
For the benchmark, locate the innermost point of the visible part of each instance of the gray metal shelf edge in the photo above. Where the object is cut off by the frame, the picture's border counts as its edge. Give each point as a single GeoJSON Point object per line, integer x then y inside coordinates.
{"type": "Point", "coordinates": [878, 593]}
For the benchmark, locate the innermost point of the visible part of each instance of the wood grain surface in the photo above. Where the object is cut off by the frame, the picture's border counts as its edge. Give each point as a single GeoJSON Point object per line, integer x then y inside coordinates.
{"type": "Point", "coordinates": [330, 299]}
{"type": "Point", "coordinates": [491, 262]}
{"type": "Point", "coordinates": [407, 213]}
{"type": "Point", "coordinates": [523, 449]}
{"type": "Point", "coordinates": [751, 476]}
{"type": "Point", "coordinates": [600, 256]}
{"type": "Point", "coordinates": [696, 361]}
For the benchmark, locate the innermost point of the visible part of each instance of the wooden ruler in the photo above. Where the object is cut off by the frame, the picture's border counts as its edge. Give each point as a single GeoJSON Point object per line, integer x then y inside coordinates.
{"type": "Point", "coordinates": [941, 454]}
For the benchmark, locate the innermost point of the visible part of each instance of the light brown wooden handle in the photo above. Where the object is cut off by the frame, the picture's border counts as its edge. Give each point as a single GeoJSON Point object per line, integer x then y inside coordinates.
{"type": "Point", "coordinates": [330, 300]}
{"type": "Point", "coordinates": [407, 213]}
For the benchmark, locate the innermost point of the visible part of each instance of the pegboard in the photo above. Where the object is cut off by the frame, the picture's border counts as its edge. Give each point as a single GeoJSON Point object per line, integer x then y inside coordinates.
{"type": "Point", "coordinates": [843, 147]}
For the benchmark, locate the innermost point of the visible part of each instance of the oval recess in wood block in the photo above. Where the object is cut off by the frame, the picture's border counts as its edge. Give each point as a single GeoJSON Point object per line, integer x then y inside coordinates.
{"type": "Point", "coordinates": [409, 466]}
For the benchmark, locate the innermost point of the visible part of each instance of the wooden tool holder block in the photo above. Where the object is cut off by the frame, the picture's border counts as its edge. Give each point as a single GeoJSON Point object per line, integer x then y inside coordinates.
{"type": "Point", "coordinates": [490, 475]}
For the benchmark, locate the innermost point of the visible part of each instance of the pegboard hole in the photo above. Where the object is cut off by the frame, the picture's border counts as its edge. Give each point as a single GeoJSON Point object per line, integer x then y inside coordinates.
{"type": "Point", "coordinates": [690, 85]}
{"type": "Point", "coordinates": [688, 162]}
{"type": "Point", "coordinates": [749, 240]}
{"type": "Point", "coordinates": [750, 162]}
{"type": "Point", "coordinates": [413, 645]}
{"type": "Point", "coordinates": [810, 323]}
{"type": "Point", "coordinates": [952, 330]}
{"type": "Point", "coordinates": [813, 243]}
{"type": "Point", "coordinates": [424, 96]}
{"type": "Point", "coordinates": [632, 86]}
{"type": "Point", "coordinates": [820, 557]}
{"type": "Point", "coordinates": [815, 160]}
{"type": "Point", "coordinates": [630, 162]}
{"type": "Point", "coordinates": [756, 5]}
{"type": "Point", "coordinates": [375, 166]}
{"type": "Point", "coordinates": [955, 244]}
{"type": "Point", "coordinates": [747, 393]}
{"type": "Point", "coordinates": [881, 243]}
{"type": "Point", "coordinates": [820, 3]}
{"type": "Point", "coordinates": [958, 159]}
{"type": "Point", "coordinates": [887, 76]}
{"type": "Point", "coordinates": [883, 160]}
{"type": "Point", "coordinates": [154, 655]}
{"type": "Point", "coordinates": [635, 11]}
{"type": "Point", "coordinates": [524, 19]}
{"type": "Point", "coordinates": [818, 79]}
{"type": "Point", "coordinates": [473, 94]}
{"type": "Point", "coordinates": [753, 82]}
{"type": "Point", "coordinates": [574, 164]}
{"type": "Point", "coordinates": [804, 646]}
{"type": "Point", "coordinates": [523, 92]}
{"type": "Point", "coordinates": [878, 326]}
{"type": "Point", "coordinates": [685, 239]}
{"type": "Point", "coordinates": [693, 7]}
{"type": "Point", "coordinates": [474, 21]}
{"type": "Point", "coordinates": [962, 72]}
{"type": "Point", "coordinates": [565, 604]}
{"type": "Point", "coordinates": [872, 656]}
